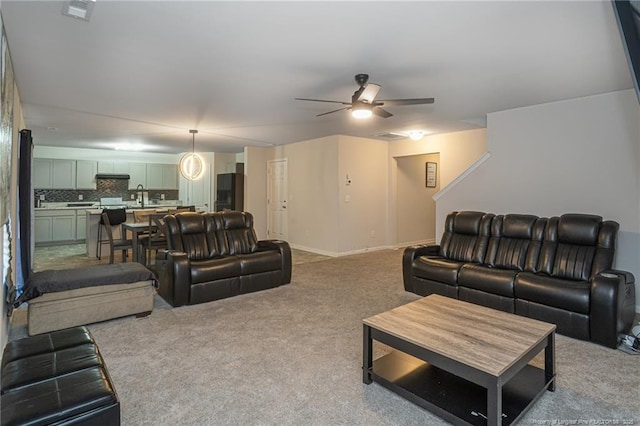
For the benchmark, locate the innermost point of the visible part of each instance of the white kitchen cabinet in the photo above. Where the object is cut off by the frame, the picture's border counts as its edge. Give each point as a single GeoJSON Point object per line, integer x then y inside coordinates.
{"type": "Point", "coordinates": [86, 174]}
{"type": "Point", "coordinates": [63, 174]}
{"type": "Point", "coordinates": [162, 176]}
{"type": "Point", "coordinates": [42, 229]}
{"type": "Point", "coordinates": [64, 227]}
{"type": "Point", "coordinates": [81, 224]}
{"type": "Point", "coordinates": [52, 226]}
{"type": "Point", "coordinates": [138, 175]}
{"type": "Point", "coordinates": [170, 176]}
{"type": "Point", "coordinates": [42, 173]}
{"type": "Point", "coordinates": [105, 167]}
{"type": "Point", "coordinates": [54, 174]}
{"type": "Point", "coordinates": [154, 176]}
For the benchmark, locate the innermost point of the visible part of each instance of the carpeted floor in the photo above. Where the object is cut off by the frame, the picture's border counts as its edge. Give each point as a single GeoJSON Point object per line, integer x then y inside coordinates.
{"type": "Point", "coordinates": [293, 355]}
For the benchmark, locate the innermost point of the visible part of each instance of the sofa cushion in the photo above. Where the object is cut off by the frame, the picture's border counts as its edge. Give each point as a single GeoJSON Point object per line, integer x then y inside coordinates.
{"type": "Point", "coordinates": [513, 237]}
{"type": "Point", "coordinates": [466, 236]}
{"type": "Point", "coordinates": [214, 269]}
{"type": "Point", "coordinates": [437, 269]}
{"type": "Point", "coordinates": [484, 278]}
{"type": "Point", "coordinates": [261, 261]}
{"type": "Point", "coordinates": [570, 295]}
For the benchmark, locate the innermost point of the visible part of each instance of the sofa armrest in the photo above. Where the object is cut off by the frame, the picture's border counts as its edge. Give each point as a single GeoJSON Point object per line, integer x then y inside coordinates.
{"type": "Point", "coordinates": [285, 252]}
{"type": "Point", "coordinates": [410, 254]}
{"type": "Point", "coordinates": [176, 282]}
{"type": "Point", "coordinates": [612, 306]}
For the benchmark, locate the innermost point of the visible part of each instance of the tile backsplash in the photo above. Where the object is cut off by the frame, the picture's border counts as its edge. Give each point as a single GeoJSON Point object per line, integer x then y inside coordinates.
{"type": "Point", "coordinates": [104, 188]}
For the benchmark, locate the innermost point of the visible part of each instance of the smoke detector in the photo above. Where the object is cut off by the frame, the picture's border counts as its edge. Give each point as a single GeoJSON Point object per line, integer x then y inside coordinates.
{"type": "Point", "coordinates": [78, 9]}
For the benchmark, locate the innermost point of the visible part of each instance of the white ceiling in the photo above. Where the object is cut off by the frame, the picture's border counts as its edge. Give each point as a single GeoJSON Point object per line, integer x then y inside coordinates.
{"type": "Point", "coordinates": [148, 71]}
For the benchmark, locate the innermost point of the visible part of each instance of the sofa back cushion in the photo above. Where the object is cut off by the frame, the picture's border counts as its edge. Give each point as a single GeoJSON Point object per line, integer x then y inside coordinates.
{"type": "Point", "coordinates": [578, 246]}
{"type": "Point", "coordinates": [466, 236]}
{"type": "Point", "coordinates": [515, 241]}
{"type": "Point", "coordinates": [193, 234]}
{"type": "Point", "coordinates": [235, 232]}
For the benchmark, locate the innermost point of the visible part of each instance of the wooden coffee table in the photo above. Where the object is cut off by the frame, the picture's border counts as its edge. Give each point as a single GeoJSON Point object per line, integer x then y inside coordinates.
{"type": "Point", "coordinates": [466, 363]}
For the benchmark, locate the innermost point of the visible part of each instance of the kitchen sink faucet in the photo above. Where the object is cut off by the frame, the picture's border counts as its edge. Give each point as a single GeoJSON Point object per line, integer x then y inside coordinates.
{"type": "Point", "coordinates": [140, 191]}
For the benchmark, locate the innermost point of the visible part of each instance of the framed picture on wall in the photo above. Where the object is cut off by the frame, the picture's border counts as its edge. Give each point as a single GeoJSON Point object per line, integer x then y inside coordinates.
{"type": "Point", "coordinates": [432, 174]}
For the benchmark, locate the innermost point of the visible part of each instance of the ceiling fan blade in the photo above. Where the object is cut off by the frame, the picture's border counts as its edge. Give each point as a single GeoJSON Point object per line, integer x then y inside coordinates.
{"type": "Point", "coordinates": [335, 110]}
{"type": "Point", "coordinates": [369, 93]}
{"type": "Point", "coordinates": [382, 112]}
{"type": "Point", "coordinates": [397, 102]}
{"type": "Point", "coordinates": [322, 100]}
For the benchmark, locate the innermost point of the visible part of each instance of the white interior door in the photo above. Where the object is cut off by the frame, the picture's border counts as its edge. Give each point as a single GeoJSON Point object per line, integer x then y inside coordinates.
{"type": "Point", "coordinates": [277, 199]}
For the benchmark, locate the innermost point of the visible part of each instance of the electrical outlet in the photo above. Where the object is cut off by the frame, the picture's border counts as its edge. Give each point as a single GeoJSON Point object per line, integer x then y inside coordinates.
{"type": "Point", "coordinates": [42, 198]}
{"type": "Point", "coordinates": [80, 197]}
{"type": "Point", "coordinates": [133, 196]}
{"type": "Point", "coordinates": [162, 196]}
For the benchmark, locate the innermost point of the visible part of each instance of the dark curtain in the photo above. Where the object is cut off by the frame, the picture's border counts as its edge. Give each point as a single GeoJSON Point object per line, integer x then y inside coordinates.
{"type": "Point", "coordinates": [25, 207]}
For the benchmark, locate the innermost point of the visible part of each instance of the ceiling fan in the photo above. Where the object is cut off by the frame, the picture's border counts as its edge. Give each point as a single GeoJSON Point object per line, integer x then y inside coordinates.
{"type": "Point", "coordinates": [363, 103]}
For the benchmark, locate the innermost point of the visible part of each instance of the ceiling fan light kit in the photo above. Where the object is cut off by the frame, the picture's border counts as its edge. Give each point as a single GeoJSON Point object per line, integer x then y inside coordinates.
{"type": "Point", "coordinates": [363, 103]}
{"type": "Point", "coordinates": [361, 112]}
{"type": "Point", "coordinates": [192, 164]}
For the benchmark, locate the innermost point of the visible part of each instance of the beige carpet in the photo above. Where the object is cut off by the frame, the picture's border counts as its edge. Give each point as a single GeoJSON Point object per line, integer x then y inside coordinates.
{"type": "Point", "coordinates": [293, 355]}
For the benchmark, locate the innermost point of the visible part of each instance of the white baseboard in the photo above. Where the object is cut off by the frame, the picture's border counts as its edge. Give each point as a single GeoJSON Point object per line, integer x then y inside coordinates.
{"type": "Point", "coordinates": [415, 243]}
{"type": "Point", "coordinates": [340, 254]}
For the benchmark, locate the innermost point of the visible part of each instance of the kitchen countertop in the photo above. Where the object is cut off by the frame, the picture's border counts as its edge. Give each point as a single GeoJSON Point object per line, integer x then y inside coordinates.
{"type": "Point", "coordinates": [97, 207]}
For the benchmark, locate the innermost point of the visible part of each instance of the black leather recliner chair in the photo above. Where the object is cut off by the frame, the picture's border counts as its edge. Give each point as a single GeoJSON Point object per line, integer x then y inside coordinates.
{"type": "Point", "coordinates": [557, 270]}
{"type": "Point", "coordinates": [212, 256]}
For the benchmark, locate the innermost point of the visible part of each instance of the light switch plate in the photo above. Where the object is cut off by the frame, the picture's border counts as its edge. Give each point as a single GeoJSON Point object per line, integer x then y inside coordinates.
{"type": "Point", "coordinates": [80, 197]}
{"type": "Point", "coordinates": [42, 198]}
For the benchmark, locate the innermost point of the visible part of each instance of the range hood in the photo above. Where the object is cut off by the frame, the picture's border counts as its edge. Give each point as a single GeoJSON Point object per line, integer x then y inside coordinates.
{"type": "Point", "coordinates": [112, 176]}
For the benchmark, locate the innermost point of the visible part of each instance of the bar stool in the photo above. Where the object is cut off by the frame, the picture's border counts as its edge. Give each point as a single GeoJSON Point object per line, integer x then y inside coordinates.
{"type": "Point", "coordinates": [116, 218]}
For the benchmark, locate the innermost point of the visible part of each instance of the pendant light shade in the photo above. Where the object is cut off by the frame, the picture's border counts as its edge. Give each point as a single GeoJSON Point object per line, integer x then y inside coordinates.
{"type": "Point", "coordinates": [192, 164]}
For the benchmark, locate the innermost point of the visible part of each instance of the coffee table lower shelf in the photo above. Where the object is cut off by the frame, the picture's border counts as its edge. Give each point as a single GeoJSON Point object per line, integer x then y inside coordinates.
{"type": "Point", "coordinates": [451, 397]}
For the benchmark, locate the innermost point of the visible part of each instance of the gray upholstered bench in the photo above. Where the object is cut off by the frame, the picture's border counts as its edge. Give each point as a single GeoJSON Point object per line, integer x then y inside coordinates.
{"type": "Point", "coordinates": [61, 299]}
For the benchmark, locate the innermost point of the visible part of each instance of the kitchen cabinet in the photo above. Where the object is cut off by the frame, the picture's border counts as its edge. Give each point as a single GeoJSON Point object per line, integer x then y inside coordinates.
{"type": "Point", "coordinates": [138, 175]}
{"type": "Point", "coordinates": [86, 174]}
{"type": "Point", "coordinates": [42, 173]}
{"type": "Point", "coordinates": [162, 176]}
{"type": "Point", "coordinates": [113, 167]}
{"type": "Point", "coordinates": [54, 174]}
{"type": "Point", "coordinates": [81, 224]}
{"type": "Point", "coordinates": [52, 226]}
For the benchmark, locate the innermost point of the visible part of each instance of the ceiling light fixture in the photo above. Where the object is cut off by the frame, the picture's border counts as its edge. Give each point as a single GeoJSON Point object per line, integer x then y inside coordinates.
{"type": "Point", "coordinates": [416, 135]}
{"type": "Point", "coordinates": [361, 111]}
{"type": "Point", "coordinates": [78, 9]}
{"type": "Point", "coordinates": [192, 164]}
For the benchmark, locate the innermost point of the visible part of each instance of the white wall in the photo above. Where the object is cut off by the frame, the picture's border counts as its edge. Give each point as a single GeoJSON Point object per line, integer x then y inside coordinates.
{"type": "Point", "coordinates": [580, 155]}
{"type": "Point", "coordinates": [362, 205]}
{"type": "Point", "coordinates": [458, 151]}
{"type": "Point", "coordinates": [313, 193]}
{"type": "Point", "coordinates": [319, 218]}
{"type": "Point", "coordinates": [255, 187]}
{"type": "Point", "coordinates": [416, 209]}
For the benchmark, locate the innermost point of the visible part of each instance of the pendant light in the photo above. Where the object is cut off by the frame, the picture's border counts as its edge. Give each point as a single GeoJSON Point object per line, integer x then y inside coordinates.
{"type": "Point", "coordinates": [191, 164]}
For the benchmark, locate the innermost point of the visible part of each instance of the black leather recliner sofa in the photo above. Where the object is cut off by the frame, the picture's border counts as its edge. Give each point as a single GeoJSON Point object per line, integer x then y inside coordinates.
{"type": "Point", "coordinates": [556, 269]}
{"type": "Point", "coordinates": [212, 256]}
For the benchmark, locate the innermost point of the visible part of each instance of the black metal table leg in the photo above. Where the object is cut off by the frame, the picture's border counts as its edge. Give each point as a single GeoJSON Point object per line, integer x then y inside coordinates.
{"type": "Point", "coordinates": [367, 354]}
{"type": "Point", "coordinates": [494, 405]}
{"type": "Point", "coordinates": [550, 362]}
